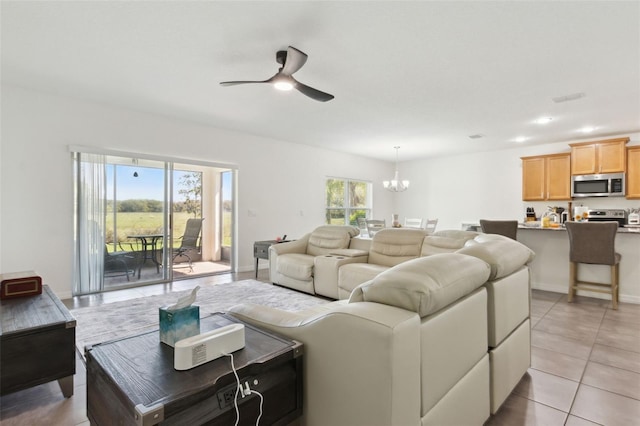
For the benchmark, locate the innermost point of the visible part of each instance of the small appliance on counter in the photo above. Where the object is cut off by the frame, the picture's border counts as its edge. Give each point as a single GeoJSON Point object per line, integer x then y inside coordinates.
{"type": "Point", "coordinates": [608, 215]}
{"type": "Point", "coordinates": [634, 217]}
{"type": "Point", "coordinates": [580, 213]}
{"type": "Point", "coordinates": [550, 219]}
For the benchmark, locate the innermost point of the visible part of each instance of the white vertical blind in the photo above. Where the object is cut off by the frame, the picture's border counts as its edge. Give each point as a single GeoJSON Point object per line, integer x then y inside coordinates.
{"type": "Point", "coordinates": [89, 232]}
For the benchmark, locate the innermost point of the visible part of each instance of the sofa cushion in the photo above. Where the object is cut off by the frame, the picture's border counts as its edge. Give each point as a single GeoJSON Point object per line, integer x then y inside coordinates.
{"type": "Point", "coordinates": [434, 244]}
{"type": "Point", "coordinates": [390, 247]}
{"type": "Point", "coordinates": [352, 275]}
{"type": "Point", "coordinates": [325, 239]}
{"type": "Point", "coordinates": [503, 254]}
{"type": "Point", "coordinates": [456, 234]}
{"type": "Point", "coordinates": [296, 265]}
{"type": "Point", "coordinates": [426, 284]}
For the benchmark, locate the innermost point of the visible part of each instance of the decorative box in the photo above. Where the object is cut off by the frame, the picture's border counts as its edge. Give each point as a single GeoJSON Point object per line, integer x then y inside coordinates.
{"type": "Point", "coordinates": [20, 284]}
{"type": "Point", "coordinates": [179, 324]}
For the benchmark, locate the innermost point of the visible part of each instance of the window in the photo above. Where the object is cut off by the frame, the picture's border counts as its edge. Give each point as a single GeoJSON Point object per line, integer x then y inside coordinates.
{"type": "Point", "coordinates": [347, 200]}
{"type": "Point", "coordinates": [131, 215]}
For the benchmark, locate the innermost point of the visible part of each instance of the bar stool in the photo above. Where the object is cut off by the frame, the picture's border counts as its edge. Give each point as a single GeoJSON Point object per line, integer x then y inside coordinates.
{"type": "Point", "coordinates": [508, 228]}
{"type": "Point", "coordinates": [593, 243]}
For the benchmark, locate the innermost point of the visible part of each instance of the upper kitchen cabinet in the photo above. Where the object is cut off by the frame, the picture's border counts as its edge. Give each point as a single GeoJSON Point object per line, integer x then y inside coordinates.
{"type": "Point", "coordinates": [606, 156]}
{"type": "Point", "coordinates": [633, 172]}
{"type": "Point", "coordinates": [546, 177]}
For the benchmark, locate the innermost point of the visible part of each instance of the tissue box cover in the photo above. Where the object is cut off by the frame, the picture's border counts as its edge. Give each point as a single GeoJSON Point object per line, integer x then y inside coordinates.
{"type": "Point", "coordinates": [179, 324]}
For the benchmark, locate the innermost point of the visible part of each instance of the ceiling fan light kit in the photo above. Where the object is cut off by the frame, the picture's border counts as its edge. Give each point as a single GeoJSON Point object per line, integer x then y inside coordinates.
{"type": "Point", "coordinates": [395, 184]}
{"type": "Point", "coordinates": [291, 60]}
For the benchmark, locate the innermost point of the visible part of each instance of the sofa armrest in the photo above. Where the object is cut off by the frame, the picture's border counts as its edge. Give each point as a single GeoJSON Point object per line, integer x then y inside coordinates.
{"type": "Point", "coordinates": [297, 246]}
{"type": "Point", "coordinates": [326, 268]}
{"type": "Point", "coordinates": [353, 354]}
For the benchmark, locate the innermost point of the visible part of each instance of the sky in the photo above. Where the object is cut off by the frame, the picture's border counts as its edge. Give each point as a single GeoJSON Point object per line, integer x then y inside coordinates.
{"type": "Point", "coordinates": [148, 185]}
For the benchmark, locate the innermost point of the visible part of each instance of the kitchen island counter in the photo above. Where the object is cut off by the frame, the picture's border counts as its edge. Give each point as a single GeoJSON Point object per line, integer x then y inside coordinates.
{"type": "Point", "coordinates": [550, 267]}
{"type": "Point", "coordinates": [621, 230]}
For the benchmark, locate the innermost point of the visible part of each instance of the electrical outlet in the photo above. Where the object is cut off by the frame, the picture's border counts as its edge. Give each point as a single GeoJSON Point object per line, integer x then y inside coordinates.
{"type": "Point", "coordinates": [226, 397]}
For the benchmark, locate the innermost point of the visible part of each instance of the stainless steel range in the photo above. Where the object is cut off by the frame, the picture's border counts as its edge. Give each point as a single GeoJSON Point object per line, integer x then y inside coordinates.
{"type": "Point", "coordinates": [608, 215]}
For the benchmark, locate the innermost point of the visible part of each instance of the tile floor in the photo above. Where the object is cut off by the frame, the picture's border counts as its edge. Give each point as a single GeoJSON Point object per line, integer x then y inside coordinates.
{"type": "Point", "coordinates": [585, 366]}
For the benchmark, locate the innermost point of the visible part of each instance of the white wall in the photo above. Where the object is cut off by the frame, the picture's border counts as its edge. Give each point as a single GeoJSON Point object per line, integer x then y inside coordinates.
{"type": "Point", "coordinates": [466, 188]}
{"type": "Point", "coordinates": [277, 180]}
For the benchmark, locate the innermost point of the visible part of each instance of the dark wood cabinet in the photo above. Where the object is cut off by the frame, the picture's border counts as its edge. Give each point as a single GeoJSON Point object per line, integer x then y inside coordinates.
{"type": "Point", "coordinates": [37, 343]}
{"type": "Point", "coordinates": [132, 381]}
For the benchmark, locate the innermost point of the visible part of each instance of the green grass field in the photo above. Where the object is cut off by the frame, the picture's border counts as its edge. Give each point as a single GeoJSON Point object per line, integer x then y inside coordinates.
{"type": "Point", "coordinates": [152, 223]}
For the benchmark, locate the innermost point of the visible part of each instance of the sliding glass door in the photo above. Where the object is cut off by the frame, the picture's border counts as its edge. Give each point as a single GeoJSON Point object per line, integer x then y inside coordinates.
{"type": "Point", "coordinates": [141, 221]}
{"type": "Point", "coordinates": [136, 220]}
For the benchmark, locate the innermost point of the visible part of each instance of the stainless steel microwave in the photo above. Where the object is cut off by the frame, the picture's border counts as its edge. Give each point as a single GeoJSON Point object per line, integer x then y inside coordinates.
{"type": "Point", "coordinates": [603, 185]}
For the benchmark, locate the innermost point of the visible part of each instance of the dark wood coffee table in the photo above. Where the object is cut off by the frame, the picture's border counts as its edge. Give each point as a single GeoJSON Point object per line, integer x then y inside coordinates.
{"type": "Point", "coordinates": [131, 381]}
{"type": "Point", "coordinates": [37, 343]}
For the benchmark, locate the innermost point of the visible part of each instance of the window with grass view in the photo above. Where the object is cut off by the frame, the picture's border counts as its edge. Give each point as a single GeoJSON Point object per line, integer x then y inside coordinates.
{"type": "Point", "coordinates": [142, 220]}
{"type": "Point", "coordinates": [347, 200]}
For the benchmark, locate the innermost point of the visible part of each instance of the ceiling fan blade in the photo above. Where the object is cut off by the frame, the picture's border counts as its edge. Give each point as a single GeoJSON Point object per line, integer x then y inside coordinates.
{"type": "Point", "coordinates": [295, 60]}
{"type": "Point", "coordinates": [233, 83]}
{"type": "Point", "coordinates": [313, 93]}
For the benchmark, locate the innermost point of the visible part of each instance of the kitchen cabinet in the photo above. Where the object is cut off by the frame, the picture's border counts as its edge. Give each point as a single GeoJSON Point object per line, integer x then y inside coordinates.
{"type": "Point", "coordinates": [546, 177]}
{"type": "Point", "coordinates": [633, 172]}
{"type": "Point", "coordinates": [606, 156]}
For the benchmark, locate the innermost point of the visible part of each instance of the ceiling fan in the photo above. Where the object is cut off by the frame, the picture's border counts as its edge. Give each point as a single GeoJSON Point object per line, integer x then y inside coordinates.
{"type": "Point", "coordinates": [291, 60]}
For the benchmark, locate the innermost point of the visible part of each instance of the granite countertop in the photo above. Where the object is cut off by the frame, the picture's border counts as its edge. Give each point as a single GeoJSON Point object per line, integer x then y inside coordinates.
{"type": "Point", "coordinates": [621, 230]}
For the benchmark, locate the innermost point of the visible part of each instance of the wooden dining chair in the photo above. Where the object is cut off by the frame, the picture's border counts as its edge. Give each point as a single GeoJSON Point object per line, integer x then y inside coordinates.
{"type": "Point", "coordinates": [414, 222]}
{"type": "Point", "coordinates": [431, 226]}
{"type": "Point", "coordinates": [593, 243]}
{"type": "Point", "coordinates": [374, 225]}
{"type": "Point", "coordinates": [508, 228]}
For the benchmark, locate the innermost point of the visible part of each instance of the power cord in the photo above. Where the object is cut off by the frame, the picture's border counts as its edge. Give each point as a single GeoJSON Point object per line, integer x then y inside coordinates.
{"type": "Point", "coordinates": [246, 391]}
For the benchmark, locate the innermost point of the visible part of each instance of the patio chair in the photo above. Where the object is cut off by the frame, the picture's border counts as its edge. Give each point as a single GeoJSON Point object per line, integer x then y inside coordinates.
{"type": "Point", "coordinates": [190, 240]}
{"type": "Point", "coordinates": [117, 263]}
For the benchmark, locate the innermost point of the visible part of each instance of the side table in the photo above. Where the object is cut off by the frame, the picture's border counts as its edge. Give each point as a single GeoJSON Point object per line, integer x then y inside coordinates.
{"type": "Point", "coordinates": [131, 381]}
{"type": "Point", "coordinates": [37, 343]}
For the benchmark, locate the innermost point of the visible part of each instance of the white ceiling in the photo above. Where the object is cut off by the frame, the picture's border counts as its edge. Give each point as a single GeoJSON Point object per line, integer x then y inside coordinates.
{"type": "Point", "coordinates": [423, 75]}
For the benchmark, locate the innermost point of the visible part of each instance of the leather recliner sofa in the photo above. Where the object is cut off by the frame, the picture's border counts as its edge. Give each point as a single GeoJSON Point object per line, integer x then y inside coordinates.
{"type": "Point", "coordinates": [435, 340]}
{"type": "Point", "coordinates": [330, 262]}
{"type": "Point", "coordinates": [291, 264]}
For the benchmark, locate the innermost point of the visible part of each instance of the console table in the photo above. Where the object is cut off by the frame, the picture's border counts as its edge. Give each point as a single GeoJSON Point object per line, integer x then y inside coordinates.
{"type": "Point", "coordinates": [131, 381]}
{"type": "Point", "coordinates": [37, 343]}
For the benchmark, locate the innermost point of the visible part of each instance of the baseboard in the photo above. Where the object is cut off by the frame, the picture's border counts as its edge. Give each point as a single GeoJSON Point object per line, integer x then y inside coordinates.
{"type": "Point", "coordinates": [563, 290]}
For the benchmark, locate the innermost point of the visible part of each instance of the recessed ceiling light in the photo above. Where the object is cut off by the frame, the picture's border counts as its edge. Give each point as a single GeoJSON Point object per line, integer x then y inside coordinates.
{"type": "Point", "coordinates": [544, 120]}
{"type": "Point", "coordinates": [476, 136]}
{"type": "Point", "coordinates": [588, 129]}
{"type": "Point", "coordinates": [520, 139]}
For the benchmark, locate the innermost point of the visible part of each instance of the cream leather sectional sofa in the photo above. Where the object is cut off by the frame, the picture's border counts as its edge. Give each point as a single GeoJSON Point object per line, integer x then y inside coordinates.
{"type": "Point", "coordinates": [331, 261]}
{"type": "Point", "coordinates": [434, 340]}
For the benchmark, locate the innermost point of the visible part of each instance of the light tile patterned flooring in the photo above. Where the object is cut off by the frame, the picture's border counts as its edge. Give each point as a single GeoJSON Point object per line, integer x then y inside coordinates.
{"type": "Point", "coordinates": [585, 367]}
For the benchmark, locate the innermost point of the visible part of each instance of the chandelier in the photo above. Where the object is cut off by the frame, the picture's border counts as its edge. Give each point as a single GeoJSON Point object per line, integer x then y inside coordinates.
{"type": "Point", "coordinates": [395, 184]}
